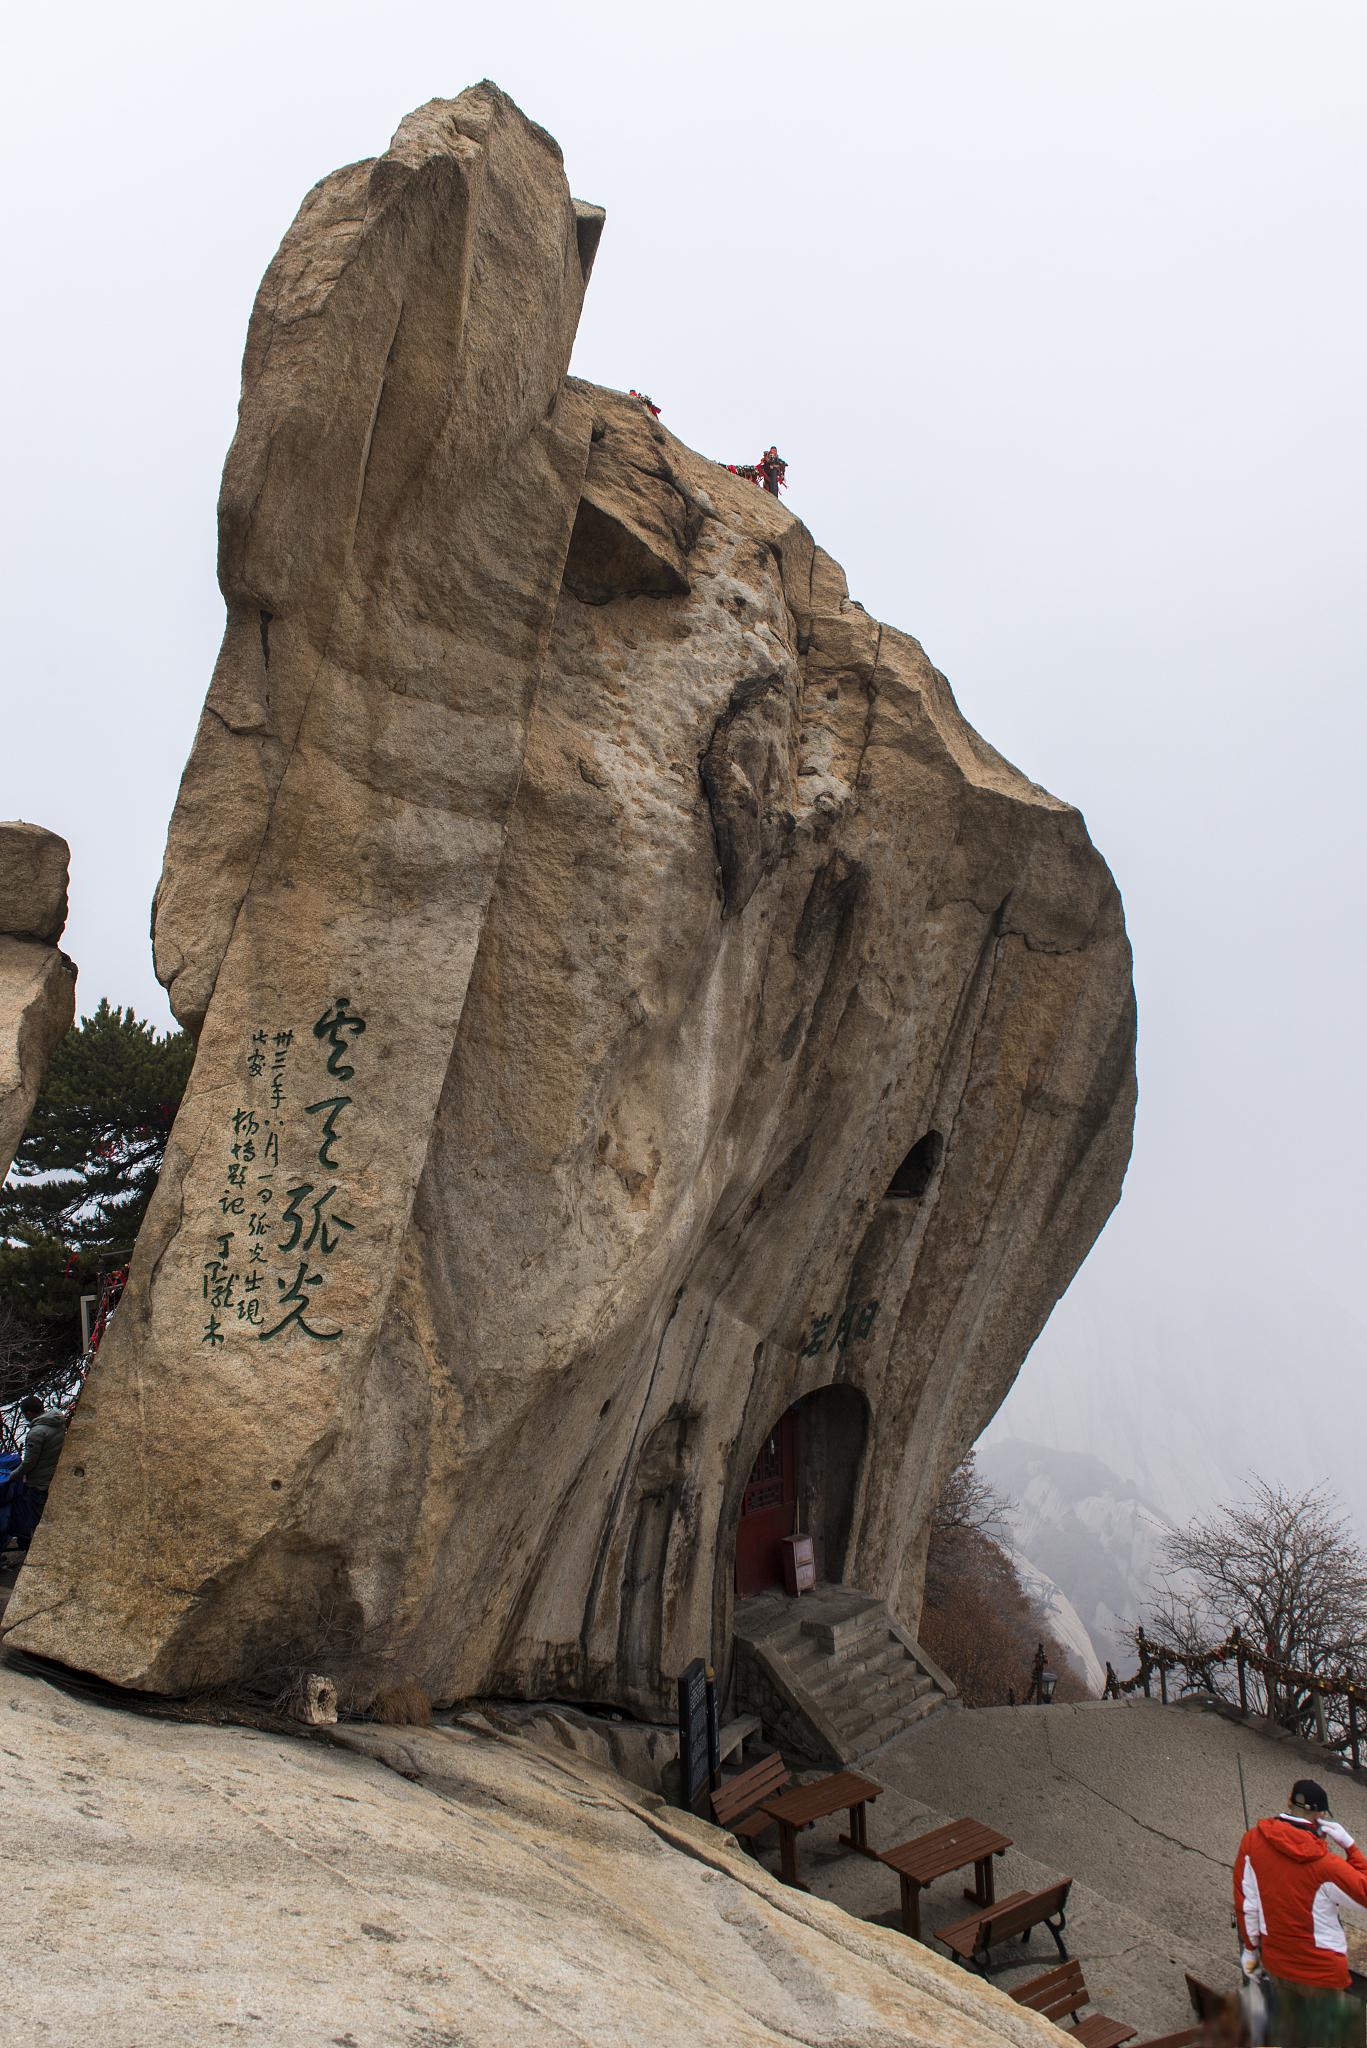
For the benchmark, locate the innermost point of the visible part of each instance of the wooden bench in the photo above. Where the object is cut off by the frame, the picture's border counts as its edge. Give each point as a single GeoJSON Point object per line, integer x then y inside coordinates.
{"type": "Point", "coordinates": [1209, 2005]}
{"type": "Point", "coordinates": [1063, 1991]}
{"type": "Point", "coordinates": [736, 1801]}
{"type": "Point", "coordinates": [972, 1939]}
{"type": "Point", "coordinates": [1188, 2038]}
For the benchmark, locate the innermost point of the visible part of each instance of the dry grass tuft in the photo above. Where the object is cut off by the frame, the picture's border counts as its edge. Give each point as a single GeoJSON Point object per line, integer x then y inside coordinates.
{"type": "Point", "coordinates": [401, 1705]}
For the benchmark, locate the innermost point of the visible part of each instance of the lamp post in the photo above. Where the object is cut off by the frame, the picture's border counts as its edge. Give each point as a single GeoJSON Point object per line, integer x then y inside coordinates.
{"type": "Point", "coordinates": [1042, 1680]}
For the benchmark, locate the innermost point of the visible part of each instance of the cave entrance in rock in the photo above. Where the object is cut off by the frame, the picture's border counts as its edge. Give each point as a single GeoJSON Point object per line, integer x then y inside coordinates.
{"type": "Point", "coordinates": [803, 1481]}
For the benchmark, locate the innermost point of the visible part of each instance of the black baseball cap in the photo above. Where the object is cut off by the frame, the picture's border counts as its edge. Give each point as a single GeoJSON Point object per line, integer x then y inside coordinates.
{"type": "Point", "coordinates": [1305, 1792]}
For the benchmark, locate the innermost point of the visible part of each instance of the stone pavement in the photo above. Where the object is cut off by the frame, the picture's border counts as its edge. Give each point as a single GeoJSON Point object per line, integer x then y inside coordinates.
{"type": "Point", "coordinates": [1137, 1803]}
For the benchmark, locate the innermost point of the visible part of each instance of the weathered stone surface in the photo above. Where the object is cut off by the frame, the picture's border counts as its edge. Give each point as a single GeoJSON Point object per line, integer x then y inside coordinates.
{"type": "Point", "coordinates": [33, 873]}
{"type": "Point", "coordinates": [37, 983]}
{"type": "Point", "coordinates": [393, 521]}
{"type": "Point", "coordinates": [417, 1889]}
{"type": "Point", "coordinates": [679, 912]}
{"type": "Point", "coordinates": [634, 529]}
{"type": "Point", "coordinates": [642, 1752]}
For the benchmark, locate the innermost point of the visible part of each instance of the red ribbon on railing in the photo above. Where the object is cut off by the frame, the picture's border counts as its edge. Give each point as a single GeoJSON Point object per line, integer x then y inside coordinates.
{"type": "Point", "coordinates": [1161, 1656]}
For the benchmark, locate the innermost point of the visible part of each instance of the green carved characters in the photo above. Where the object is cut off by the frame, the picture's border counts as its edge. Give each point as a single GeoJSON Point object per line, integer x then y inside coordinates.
{"type": "Point", "coordinates": [255, 1224]}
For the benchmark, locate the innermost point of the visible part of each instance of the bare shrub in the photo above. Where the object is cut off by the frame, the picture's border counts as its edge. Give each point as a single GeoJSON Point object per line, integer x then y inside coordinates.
{"type": "Point", "coordinates": [968, 1502]}
{"type": "Point", "coordinates": [1285, 1570]}
{"type": "Point", "coordinates": [978, 1622]}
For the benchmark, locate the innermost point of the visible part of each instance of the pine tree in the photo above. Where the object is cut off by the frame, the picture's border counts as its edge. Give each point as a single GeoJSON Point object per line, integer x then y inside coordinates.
{"type": "Point", "coordinates": [86, 1166]}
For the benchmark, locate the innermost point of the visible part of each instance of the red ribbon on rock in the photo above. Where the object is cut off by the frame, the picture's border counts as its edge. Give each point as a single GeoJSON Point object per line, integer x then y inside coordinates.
{"type": "Point", "coordinates": [770, 472]}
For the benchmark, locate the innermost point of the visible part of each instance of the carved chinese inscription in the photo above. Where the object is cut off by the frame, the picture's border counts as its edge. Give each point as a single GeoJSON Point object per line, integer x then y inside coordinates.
{"type": "Point", "coordinates": [281, 1221]}
{"type": "Point", "coordinates": [854, 1322]}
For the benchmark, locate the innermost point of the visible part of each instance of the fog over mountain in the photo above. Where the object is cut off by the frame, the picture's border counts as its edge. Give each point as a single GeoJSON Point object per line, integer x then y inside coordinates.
{"type": "Point", "coordinates": [1164, 1379]}
{"type": "Point", "coordinates": [1075, 1523]}
{"type": "Point", "coordinates": [1061, 1618]}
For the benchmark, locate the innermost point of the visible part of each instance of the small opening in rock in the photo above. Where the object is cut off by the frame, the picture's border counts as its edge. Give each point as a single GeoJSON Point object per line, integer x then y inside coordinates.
{"type": "Point", "coordinates": [275, 1485]}
{"type": "Point", "coordinates": [605, 1407]}
{"type": "Point", "coordinates": [912, 1177]}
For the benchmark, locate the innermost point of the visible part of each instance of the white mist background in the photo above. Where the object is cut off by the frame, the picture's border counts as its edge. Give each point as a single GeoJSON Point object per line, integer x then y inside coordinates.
{"type": "Point", "coordinates": [1057, 314]}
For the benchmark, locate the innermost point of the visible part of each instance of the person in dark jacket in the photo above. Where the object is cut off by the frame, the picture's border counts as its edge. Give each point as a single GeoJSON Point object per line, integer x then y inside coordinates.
{"type": "Point", "coordinates": [1288, 1887]}
{"type": "Point", "coordinates": [42, 1449]}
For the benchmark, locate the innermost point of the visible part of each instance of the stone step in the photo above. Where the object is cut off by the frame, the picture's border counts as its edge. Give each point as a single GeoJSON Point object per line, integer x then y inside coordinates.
{"type": "Point", "coordinates": [807, 1662]}
{"type": "Point", "coordinates": [861, 1698]}
{"type": "Point", "coordinates": [850, 1720]}
{"type": "Point", "coordinates": [850, 1649]}
{"type": "Point", "coordinates": [903, 1676]}
{"type": "Point", "coordinates": [851, 1716]}
{"type": "Point", "coordinates": [883, 1731]}
{"type": "Point", "coordinates": [857, 1650]}
{"type": "Point", "coordinates": [879, 1659]}
{"type": "Point", "coordinates": [844, 1668]}
{"type": "Point", "coordinates": [837, 1636]}
{"type": "Point", "coordinates": [928, 1703]}
{"type": "Point", "coordinates": [890, 1706]}
{"type": "Point", "coordinates": [832, 1677]}
{"type": "Point", "coordinates": [904, 1693]}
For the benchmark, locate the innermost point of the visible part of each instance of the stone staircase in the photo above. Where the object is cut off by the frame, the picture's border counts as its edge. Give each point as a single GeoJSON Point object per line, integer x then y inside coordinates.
{"type": "Point", "coordinates": [832, 1675]}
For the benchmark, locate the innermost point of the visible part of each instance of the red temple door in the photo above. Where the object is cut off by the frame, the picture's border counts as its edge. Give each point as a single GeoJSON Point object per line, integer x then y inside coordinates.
{"type": "Point", "coordinates": [768, 1511]}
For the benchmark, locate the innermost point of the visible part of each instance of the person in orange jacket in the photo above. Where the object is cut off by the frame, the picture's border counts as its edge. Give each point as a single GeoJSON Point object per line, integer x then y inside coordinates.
{"type": "Point", "coordinates": [1288, 1887]}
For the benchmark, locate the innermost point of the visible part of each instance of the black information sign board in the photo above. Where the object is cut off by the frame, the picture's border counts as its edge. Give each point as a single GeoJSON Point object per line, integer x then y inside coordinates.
{"type": "Point", "coordinates": [699, 1744]}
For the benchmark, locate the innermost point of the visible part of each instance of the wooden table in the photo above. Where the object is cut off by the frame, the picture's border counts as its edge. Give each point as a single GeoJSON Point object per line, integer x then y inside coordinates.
{"type": "Point", "coordinates": [803, 1804]}
{"type": "Point", "coordinates": [918, 1863]}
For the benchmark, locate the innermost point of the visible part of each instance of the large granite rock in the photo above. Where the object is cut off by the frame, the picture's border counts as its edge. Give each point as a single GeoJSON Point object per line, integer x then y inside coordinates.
{"type": "Point", "coordinates": [632, 1000]}
{"type": "Point", "coordinates": [174, 1885]}
{"type": "Point", "coordinates": [37, 982]}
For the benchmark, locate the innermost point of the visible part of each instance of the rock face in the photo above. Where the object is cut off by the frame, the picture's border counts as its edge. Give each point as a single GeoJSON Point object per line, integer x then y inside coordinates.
{"type": "Point", "coordinates": [419, 1887]}
{"type": "Point", "coordinates": [37, 982]}
{"type": "Point", "coordinates": [632, 1002]}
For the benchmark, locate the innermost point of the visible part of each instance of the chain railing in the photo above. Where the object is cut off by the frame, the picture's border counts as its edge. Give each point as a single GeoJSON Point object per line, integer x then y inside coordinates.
{"type": "Point", "coordinates": [1315, 1687]}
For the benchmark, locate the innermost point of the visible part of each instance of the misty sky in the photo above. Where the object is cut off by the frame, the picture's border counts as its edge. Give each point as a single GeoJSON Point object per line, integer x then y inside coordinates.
{"type": "Point", "coordinates": [1056, 311]}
